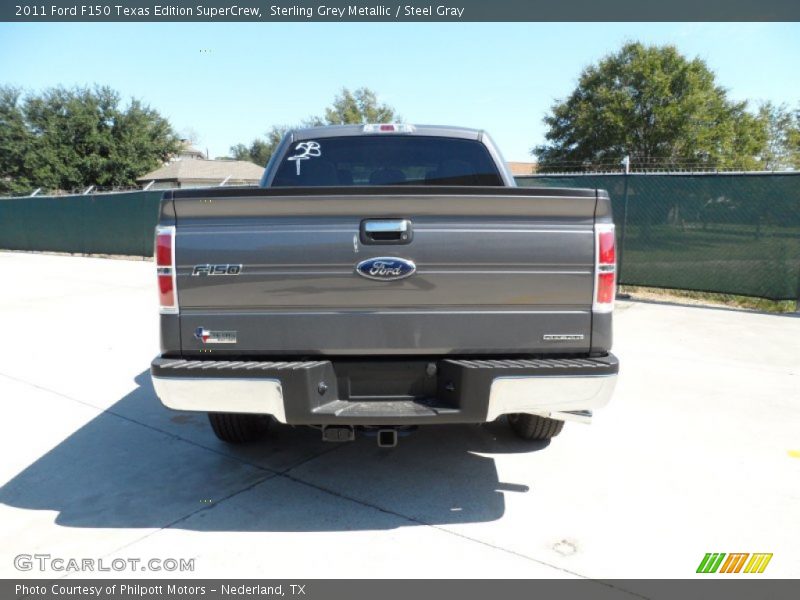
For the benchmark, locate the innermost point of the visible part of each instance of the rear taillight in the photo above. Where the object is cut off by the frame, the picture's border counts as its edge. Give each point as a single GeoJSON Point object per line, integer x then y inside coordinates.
{"type": "Point", "coordinates": [165, 268]}
{"type": "Point", "coordinates": [605, 267]}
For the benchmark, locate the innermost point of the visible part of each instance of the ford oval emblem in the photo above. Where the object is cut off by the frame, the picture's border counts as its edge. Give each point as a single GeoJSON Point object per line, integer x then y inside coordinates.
{"type": "Point", "coordinates": [386, 268]}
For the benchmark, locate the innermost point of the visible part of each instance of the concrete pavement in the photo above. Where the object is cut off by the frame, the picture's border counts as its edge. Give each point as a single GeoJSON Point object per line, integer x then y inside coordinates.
{"type": "Point", "coordinates": [698, 452]}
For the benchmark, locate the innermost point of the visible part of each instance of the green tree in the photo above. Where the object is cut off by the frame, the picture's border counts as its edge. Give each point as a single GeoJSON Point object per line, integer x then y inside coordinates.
{"type": "Point", "coordinates": [782, 150]}
{"type": "Point", "coordinates": [71, 138]}
{"type": "Point", "coordinates": [357, 107]}
{"type": "Point", "coordinates": [260, 149]}
{"type": "Point", "coordinates": [656, 106]}
{"type": "Point", "coordinates": [793, 140]}
{"type": "Point", "coordinates": [15, 143]}
{"type": "Point", "coordinates": [348, 107]}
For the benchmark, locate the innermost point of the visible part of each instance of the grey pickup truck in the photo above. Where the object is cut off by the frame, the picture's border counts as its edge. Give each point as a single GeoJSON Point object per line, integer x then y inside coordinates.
{"type": "Point", "coordinates": [383, 277]}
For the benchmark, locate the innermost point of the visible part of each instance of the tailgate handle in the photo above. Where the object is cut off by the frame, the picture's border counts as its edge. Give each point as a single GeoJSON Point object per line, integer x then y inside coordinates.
{"type": "Point", "coordinates": [386, 231]}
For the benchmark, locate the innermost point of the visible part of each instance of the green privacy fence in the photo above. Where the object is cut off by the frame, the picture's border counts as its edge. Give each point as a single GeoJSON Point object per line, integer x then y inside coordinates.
{"type": "Point", "coordinates": [729, 233]}
{"type": "Point", "coordinates": [93, 224]}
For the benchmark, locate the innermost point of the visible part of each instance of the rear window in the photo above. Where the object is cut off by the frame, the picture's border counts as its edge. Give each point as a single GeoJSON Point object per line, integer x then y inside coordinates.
{"type": "Point", "coordinates": [386, 160]}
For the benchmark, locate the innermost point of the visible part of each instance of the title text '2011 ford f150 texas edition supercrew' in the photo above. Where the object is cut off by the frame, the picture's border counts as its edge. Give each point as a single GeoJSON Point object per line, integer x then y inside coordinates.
{"type": "Point", "coordinates": [383, 277]}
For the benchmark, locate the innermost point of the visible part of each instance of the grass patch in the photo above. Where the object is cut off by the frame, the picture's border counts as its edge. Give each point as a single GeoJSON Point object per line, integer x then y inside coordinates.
{"type": "Point", "coordinates": [712, 298]}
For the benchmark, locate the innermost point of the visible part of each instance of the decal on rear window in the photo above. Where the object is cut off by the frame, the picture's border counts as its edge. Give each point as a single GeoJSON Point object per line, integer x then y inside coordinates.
{"type": "Point", "coordinates": [305, 150]}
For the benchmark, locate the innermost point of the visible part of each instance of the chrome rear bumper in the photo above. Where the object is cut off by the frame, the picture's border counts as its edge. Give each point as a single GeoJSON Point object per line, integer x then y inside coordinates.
{"type": "Point", "coordinates": [567, 398]}
{"type": "Point", "coordinates": [461, 390]}
{"type": "Point", "coordinates": [209, 394]}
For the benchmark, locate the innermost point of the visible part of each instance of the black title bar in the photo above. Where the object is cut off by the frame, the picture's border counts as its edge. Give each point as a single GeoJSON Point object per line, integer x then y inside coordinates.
{"type": "Point", "coordinates": [736, 588]}
{"type": "Point", "coordinates": [404, 10]}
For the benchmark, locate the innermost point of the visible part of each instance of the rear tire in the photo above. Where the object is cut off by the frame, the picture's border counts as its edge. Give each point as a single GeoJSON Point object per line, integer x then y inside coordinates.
{"type": "Point", "coordinates": [237, 428]}
{"type": "Point", "coordinates": [534, 427]}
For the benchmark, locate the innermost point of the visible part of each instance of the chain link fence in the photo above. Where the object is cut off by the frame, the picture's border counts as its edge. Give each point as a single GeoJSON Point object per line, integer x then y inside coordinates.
{"type": "Point", "coordinates": [728, 233]}
{"type": "Point", "coordinates": [122, 223]}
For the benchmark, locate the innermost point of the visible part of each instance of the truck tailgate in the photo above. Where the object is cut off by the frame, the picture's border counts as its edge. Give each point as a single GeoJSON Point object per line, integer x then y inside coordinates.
{"type": "Point", "coordinates": [498, 270]}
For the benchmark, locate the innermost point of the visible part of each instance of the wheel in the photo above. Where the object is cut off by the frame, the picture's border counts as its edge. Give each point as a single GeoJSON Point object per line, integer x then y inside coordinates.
{"type": "Point", "coordinates": [237, 428]}
{"type": "Point", "coordinates": [534, 427]}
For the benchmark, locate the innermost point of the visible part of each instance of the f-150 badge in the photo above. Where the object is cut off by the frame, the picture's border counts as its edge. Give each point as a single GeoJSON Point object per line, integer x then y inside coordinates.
{"type": "Point", "coordinates": [216, 270]}
{"type": "Point", "coordinates": [215, 337]}
{"type": "Point", "coordinates": [386, 268]}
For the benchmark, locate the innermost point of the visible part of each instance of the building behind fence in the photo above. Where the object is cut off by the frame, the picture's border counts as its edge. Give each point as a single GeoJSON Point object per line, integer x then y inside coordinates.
{"type": "Point", "coordinates": [728, 233]}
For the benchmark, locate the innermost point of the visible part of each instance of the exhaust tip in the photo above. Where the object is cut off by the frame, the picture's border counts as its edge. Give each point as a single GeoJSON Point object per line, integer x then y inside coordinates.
{"type": "Point", "coordinates": [387, 438]}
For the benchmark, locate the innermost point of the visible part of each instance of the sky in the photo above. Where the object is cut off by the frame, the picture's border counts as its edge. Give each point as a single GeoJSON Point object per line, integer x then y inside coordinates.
{"type": "Point", "coordinates": [228, 83]}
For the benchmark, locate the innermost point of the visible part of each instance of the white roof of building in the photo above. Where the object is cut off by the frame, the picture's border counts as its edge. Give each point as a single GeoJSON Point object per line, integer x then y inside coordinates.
{"type": "Point", "coordinates": [199, 169]}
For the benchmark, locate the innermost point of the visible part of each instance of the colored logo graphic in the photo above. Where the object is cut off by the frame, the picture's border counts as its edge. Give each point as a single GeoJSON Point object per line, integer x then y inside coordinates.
{"type": "Point", "coordinates": [386, 268]}
{"type": "Point", "coordinates": [713, 562]}
{"type": "Point", "coordinates": [214, 337]}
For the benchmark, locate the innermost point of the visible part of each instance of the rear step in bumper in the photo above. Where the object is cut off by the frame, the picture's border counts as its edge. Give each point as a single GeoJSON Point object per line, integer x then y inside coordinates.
{"type": "Point", "coordinates": [468, 390]}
